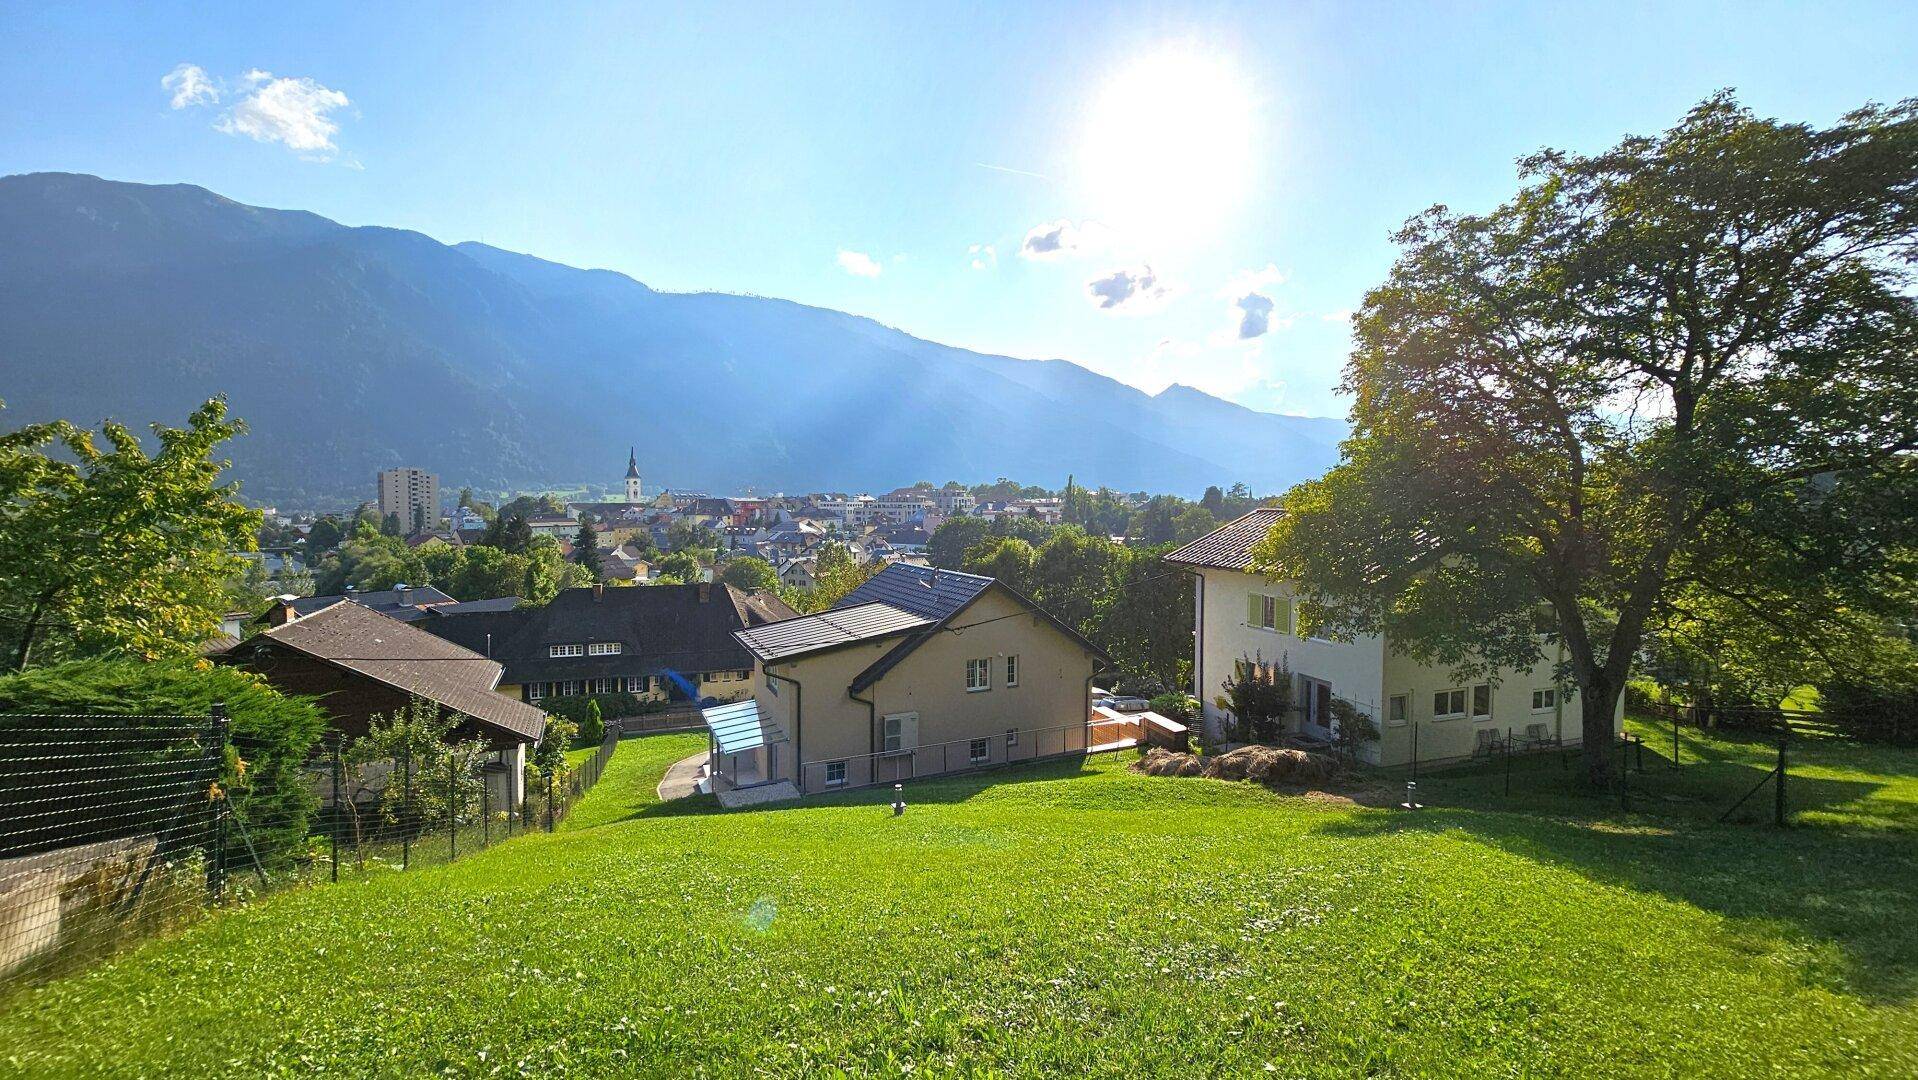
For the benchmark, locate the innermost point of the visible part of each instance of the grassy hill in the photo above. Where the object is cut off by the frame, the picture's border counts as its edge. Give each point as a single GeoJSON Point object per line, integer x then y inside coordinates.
{"type": "Point", "coordinates": [1067, 920]}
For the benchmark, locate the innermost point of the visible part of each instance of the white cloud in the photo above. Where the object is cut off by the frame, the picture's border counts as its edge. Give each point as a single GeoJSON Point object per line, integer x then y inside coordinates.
{"type": "Point", "coordinates": [1255, 315]}
{"type": "Point", "coordinates": [1132, 290]}
{"type": "Point", "coordinates": [1250, 281]}
{"type": "Point", "coordinates": [294, 112]}
{"type": "Point", "coordinates": [859, 264]}
{"type": "Point", "coordinates": [190, 85]}
{"type": "Point", "coordinates": [1342, 315]}
{"type": "Point", "coordinates": [982, 256]}
{"type": "Point", "coordinates": [1061, 239]}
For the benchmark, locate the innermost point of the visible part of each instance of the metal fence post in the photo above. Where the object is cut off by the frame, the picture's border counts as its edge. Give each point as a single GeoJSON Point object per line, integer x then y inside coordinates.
{"type": "Point", "coordinates": [216, 755]}
{"type": "Point", "coordinates": [1508, 764]}
{"type": "Point", "coordinates": [339, 772]}
{"type": "Point", "coordinates": [486, 813]}
{"type": "Point", "coordinates": [1624, 774]}
{"type": "Point", "coordinates": [1674, 738]}
{"type": "Point", "coordinates": [406, 806]}
{"type": "Point", "coordinates": [551, 819]}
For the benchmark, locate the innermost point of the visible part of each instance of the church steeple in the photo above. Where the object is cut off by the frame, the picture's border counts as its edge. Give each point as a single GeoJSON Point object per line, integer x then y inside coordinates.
{"type": "Point", "coordinates": [632, 476]}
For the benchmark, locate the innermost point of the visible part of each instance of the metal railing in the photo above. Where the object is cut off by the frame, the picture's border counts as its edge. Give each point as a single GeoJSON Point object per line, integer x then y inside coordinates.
{"type": "Point", "coordinates": [953, 756]}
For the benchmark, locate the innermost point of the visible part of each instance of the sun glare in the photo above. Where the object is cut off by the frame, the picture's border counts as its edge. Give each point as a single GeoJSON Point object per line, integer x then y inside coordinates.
{"type": "Point", "coordinates": [1168, 145]}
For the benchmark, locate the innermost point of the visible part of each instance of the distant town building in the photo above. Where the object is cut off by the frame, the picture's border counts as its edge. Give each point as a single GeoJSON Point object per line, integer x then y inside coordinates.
{"type": "Point", "coordinates": [411, 495]}
{"type": "Point", "coordinates": [632, 476]}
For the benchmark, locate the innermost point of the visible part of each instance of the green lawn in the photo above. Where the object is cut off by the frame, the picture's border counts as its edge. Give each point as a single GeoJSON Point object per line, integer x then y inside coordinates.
{"type": "Point", "coordinates": [1069, 921]}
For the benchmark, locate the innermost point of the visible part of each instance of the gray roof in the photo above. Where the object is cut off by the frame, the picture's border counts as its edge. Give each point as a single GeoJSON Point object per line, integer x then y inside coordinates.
{"type": "Point", "coordinates": [1228, 547]}
{"type": "Point", "coordinates": [922, 590]}
{"type": "Point", "coordinates": [385, 601]}
{"type": "Point", "coordinates": [402, 656]}
{"type": "Point", "coordinates": [827, 629]}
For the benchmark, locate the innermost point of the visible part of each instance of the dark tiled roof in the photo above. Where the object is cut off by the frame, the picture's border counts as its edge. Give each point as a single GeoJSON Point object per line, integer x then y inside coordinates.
{"type": "Point", "coordinates": [1228, 547]}
{"type": "Point", "coordinates": [364, 641]}
{"type": "Point", "coordinates": [461, 607]}
{"type": "Point", "coordinates": [659, 628]}
{"type": "Point", "coordinates": [922, 590]}
{"type": "Point", "coordinates": [905, 648]}
{"type": "Point", "coordinates": [828, 629]}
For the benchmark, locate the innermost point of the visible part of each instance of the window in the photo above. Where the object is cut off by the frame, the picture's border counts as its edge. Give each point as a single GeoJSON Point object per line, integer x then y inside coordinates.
{"type": "Point", "coordinates": [1012, 671]}
{"type": "Point", "coordinates": [566, 650]}
{"type": "Point", "coordinates": [835, 774]}
{"type": "Point", "coordinates": [978, 675]}
{"type": "Point", "coordinates": [1482, 701]}
{"type": "Point", "coordinates": [1012, 737]}
{"type": "Point", "coordinates": [568, 688]}
{"type": "Point", "coordinates": [1544, 700]}
{"type": "Point", "coordinates": [977, 750]}
{"type": "Point", "coordinates": [604, 648]}
{"type": "Point", "coordinates": [535, 691]}
{"type": "Point", "coordinates": [1448, 704]}
{"type": "Point", "coordinates": [602, 686]}
{"type": "Point", "coordinates": [1269, 613]}
{"type": "Point", "coordinates": [1397, 709]}
{"type": "Point", "coordinates": [902, 732]}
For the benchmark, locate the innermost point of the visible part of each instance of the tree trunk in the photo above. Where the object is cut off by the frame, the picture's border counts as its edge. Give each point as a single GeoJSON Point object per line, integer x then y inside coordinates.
{"type": "Point", "coordinates": [1597, 704]}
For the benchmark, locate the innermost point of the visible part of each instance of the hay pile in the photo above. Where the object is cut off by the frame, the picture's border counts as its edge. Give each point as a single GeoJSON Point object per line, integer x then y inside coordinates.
{"type": "Point", "coordinates": [1267, 765]}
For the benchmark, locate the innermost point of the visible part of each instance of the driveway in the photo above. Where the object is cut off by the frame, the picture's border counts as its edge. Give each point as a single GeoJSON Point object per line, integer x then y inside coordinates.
{"type": "Point", "coordinates": [683, 778]}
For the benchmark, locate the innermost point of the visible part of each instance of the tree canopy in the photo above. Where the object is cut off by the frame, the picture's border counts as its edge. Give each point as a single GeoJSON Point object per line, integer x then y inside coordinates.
{"type": "Point", "coordinates": [1676, 371]}
{"type": "Point", "coordinates": [114, 550]}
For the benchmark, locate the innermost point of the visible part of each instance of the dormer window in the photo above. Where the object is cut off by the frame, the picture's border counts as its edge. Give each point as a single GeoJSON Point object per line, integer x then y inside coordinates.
{"type": "Point", "coordinates": [565, 650]}
{"type": "Point", "coordinates": [604, 648]}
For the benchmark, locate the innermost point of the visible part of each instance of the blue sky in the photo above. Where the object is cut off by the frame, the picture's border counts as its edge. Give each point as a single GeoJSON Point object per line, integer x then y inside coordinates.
{"type": "Point", "coordinates": [1220, 169]}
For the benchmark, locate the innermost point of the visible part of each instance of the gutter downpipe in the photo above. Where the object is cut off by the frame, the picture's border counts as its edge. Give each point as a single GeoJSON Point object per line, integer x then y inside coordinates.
{"type": "Point", "coordinates": [799, 702]}
{"type": "Point", "coordinates": [872, 733]}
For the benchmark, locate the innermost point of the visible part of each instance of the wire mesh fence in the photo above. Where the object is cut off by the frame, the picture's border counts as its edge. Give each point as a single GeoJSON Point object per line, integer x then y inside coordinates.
{"type": "Point", "coordinates": [116, 828]}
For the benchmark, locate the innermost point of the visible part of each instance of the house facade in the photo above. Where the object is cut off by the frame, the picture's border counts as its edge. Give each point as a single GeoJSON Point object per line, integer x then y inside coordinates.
{"type": "Point", "coordinates": [657, 642]}
{"type": "Point", "coordinates": [915, 673]}
{"type": "Point", "coordinates": [1417, 708]}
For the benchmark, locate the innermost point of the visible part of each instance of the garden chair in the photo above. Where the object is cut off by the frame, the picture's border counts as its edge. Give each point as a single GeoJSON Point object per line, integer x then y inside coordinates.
{"type": "Point", "coordinates": [1491, 742]}
{"type": "Point", "coordinates": [1538, 736]}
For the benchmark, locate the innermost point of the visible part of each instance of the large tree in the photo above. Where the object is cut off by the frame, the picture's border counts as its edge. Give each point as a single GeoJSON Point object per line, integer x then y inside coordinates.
{"type": "Point", "coordinates": [115, 550]}
{"type": "Point", "coordinates": [1681, 366]}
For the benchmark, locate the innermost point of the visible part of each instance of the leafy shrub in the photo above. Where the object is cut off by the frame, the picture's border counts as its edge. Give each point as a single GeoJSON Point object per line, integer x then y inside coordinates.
{"type": "Point", "coordinates": [1258, 695]}
{"type": "Point", "coordinates": [613, 705]}
{"type": "Point", "coordinates": [272, 735]}
{"type": "Point", "coordinates": [1178, 706]}
{"type": "Point", "coordinates": [1875, 710]}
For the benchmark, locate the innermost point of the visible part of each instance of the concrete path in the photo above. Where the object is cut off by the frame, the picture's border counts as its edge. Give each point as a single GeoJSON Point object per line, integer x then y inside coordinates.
{"type": "Point", "coordinates": [683, 778]}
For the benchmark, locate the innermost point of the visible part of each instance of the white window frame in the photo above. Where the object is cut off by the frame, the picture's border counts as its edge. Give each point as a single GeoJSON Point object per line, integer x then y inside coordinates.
{"type": "Point", "coordinates": [1545, 700]}
{"type": "Point", "coordinates": [1401, 704]}
{"type": "Point", "coordinates": [1012, 670]}
{"type": "Point", "coordinates": [835, 774]}
{"type": "Point", "coordinates": [1012, 737]}
{"type": "Point", "coordinates": [535, 691]}
{"type": "Point", "coordinates": [605, 648]}
{"type": "Point", "coordinates": [556, 651]}
{"type": "Point", "coordinates": [1471, 703]}
{"type": "Point", "coordinates": [602, 685]}
{"type": "Point", "coordinates": [1464, 703]}
{"type": "Point", "coordinates": [978, 751]}
{"type": "Point", "coordinates": [978, 675]}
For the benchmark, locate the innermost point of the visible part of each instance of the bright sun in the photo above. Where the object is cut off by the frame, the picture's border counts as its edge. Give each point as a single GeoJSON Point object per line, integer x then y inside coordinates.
{"type": "Point", "coordinates": [1168, 146]}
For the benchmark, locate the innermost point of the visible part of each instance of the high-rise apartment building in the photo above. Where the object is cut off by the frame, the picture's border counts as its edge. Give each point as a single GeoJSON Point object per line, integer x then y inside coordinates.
{"type": "Point", "coordinates": [413, 495]}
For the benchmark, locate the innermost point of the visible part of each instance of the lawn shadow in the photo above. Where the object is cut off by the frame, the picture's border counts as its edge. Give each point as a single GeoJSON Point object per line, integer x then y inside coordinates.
{"type": "Point", "coordinates": [1847, 888]}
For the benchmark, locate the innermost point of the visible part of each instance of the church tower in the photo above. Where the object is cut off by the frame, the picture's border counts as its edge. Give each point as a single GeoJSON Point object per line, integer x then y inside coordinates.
{"type": "Point", "coordinates": [632, 476]}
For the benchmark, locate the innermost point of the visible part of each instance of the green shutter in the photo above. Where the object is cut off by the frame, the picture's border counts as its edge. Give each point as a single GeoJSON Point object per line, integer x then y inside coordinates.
{"type": "Point", "coordinates": [1253, 609]}
{"type": "Point", "coordinates": [1284, 617]}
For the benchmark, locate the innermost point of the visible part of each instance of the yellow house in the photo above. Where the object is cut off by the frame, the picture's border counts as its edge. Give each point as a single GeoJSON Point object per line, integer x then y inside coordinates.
{"type": "Point", "coordinates": [917, 672]}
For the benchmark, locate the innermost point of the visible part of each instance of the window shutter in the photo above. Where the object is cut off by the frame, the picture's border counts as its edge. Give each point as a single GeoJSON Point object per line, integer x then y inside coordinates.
{"type": "Point", "coordinates": [1284, 617]}
{"type": "Point", "coordinates": [1253, 609]}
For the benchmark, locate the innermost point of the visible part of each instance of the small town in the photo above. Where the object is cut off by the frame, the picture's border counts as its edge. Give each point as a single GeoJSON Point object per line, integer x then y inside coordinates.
{"type": "Point", "coordinates": [1251, 549]}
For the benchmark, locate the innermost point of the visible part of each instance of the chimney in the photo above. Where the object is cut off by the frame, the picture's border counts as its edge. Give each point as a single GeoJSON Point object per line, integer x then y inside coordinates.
{"type": "Point", "coordinates": [280, 613]}
{"type": "Point", "coordinates": [599, 591]}
{"type": "Point", "coordinates": [705, 592]}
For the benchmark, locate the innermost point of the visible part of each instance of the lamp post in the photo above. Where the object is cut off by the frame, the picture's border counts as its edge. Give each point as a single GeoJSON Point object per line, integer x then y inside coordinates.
{"type": "Point", "coordinates": [898, 799]}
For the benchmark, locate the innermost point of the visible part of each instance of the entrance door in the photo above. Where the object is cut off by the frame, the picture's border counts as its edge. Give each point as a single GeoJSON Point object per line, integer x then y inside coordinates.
{"type": "Point", "coordinates": [1318, 707]}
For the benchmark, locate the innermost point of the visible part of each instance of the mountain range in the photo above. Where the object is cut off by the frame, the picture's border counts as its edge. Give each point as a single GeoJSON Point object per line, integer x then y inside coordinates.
{"type": "Point", "coordinates": [352, 349]}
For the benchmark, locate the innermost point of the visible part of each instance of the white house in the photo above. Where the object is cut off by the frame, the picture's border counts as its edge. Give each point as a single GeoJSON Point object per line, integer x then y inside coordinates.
{"type": "Point", "coordinates": [1242, 615]}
